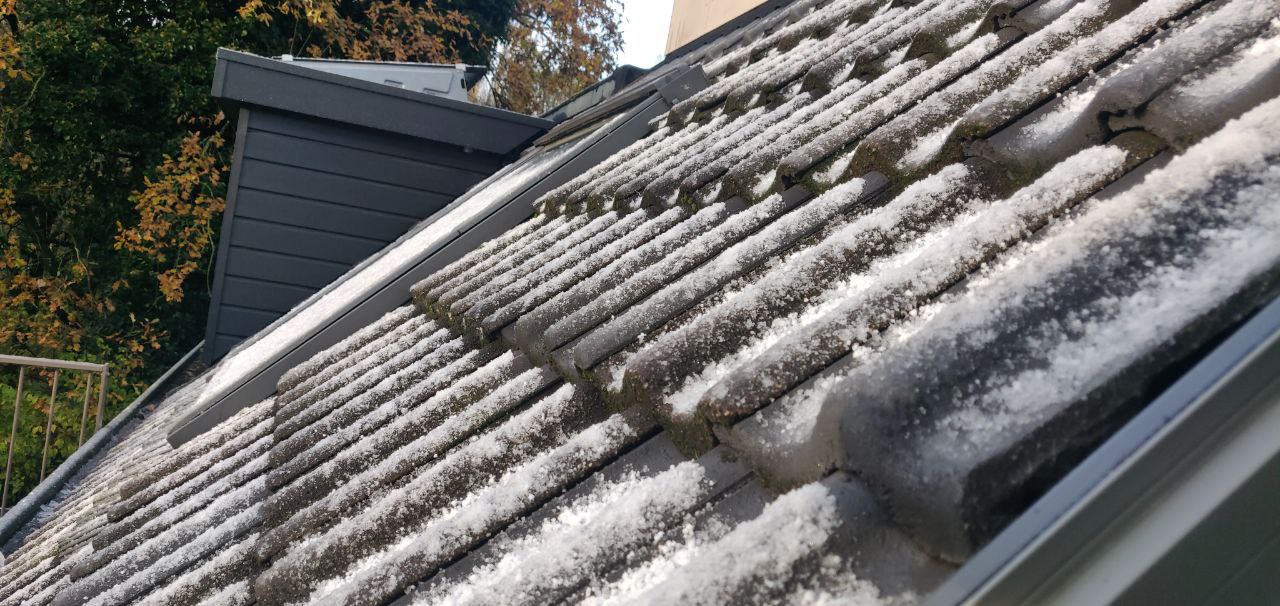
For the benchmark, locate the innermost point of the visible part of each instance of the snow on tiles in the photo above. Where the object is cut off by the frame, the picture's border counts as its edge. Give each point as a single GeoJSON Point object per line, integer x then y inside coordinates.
{"type": "Point", "coordinates": [542, 271]}
{"type": "Point", "coordinates": [1235, 236]}
{"type": "Point", "coordinates": [465, 461]}
{"type": "Point", "coordinates": [474, 517]}
{"type": "Point", "coordinates": [758, 552]}
{"type": "Point", "coordinates": [654, 277]}
{"type": "Point", "coordinates": [231, 562]}
{"type": "Point", "coordinates": [751, 310]}
{"type": "Point", "coordinates": [534, 262]}
{"type": "Point", "coordinates": [432, 290]}
{"type": "Point", "coordinates": [342, 349]}
{"type": "Point", "coordinates": [900, 283]}
{"type": "Point", "coordinates": [388, 357]}
{"type": "Point", "coordinates": [339, 455]}
{"type": "Point", "coordinates": [458, 450]}
{"type": "Point", "coordinates": [850, 123]}
{"type": "Point", "coordinates": [533, 329]}
{"type": "Point", "coordinates": [596, 267]}
{"type": "Point", "coordinates": [401, 390]}
{"type": "Point", "coordinates": [571, 549]}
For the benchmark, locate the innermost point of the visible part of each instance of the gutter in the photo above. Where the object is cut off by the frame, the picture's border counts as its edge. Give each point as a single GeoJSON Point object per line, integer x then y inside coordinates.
{"type": "Point", "coordinates": [14, 522]}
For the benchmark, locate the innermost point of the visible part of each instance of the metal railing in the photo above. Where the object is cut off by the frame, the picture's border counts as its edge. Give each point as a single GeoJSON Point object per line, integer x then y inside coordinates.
{"type": "Point", "coordinates": [91, 371]}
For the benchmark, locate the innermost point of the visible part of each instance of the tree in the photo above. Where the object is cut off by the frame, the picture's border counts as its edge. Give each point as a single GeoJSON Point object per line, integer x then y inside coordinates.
{"type": "Point", "coordinates": [554, 49]}
{"type": "Point", "coordinates": [113, 162]}
{"type": "Point", "coordinates": [431, 31]}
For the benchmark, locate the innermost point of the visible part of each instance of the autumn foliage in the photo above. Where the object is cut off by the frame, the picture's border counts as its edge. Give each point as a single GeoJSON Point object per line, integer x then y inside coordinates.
{"type": "Point", "coordinates": [114, 160]}
{"type": "Point", "coordinates": [554, 49]}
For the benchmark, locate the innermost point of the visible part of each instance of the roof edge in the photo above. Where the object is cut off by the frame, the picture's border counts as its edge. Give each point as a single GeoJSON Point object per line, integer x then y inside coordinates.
{"type": "Point", "coordinates": [246, 79]}
{"type": "Point", "coordinates": [16, 519]}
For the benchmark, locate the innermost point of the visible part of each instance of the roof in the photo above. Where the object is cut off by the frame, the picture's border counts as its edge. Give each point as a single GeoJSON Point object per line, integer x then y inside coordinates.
{"type": "Point", "coordinates": [834, 323]}
{"type": "Point", "coordinates": [303, 87]}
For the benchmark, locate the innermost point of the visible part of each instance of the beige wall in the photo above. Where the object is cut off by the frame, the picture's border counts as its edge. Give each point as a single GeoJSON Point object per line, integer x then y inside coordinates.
{"type": "Point", "coordinates": [692, 18]}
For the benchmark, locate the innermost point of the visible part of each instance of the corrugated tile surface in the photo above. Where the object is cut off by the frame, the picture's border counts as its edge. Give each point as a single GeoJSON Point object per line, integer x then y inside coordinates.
{"type": "Point", "coordinates": [837, 320]}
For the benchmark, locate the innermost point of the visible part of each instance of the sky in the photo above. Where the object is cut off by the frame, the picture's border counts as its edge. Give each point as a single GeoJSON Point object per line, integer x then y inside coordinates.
{"type": "Point", "coordinates": [644, 31]}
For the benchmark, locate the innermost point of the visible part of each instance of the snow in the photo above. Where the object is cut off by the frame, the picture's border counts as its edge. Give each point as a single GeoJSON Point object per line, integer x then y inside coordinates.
{"type": "Point", "coordinates": [749, 309]}
{"type": "Point", "coordinates": [1044, 64]}
{"type": "Point", "coordinates": [196, 580]}
{"type": "Point", "coordinates": [533, 328]}
{"type": "Point", "coordinates": [475, 515]}
{"type": "Point", "coordinates": [195, 537]}
{"type": "Point", "coordinates": [383, 469]}
{"type": "Point", "coordinates": [854, 124]}
{"type": "Point", "coordinates": [761, 551]}
{"type": "Point", "coordinates": [728, 263]}
{"type": "Point", "coordinates": [539, 272]}
{"type": "Point", "coordinates": [349, 445]}
{"type": "Point", "coordinates": [345, 347]}
{"type": "Point", "coordinates": [1237, 231]}
{"type": "Point", "coordinates": [363, 411]}
{"type": "Point", "coordinates": [392, 364]}
{"type": "Point", "coordinates": [851, 312]}
{"type": "Point", "coordinates": [569, 549]}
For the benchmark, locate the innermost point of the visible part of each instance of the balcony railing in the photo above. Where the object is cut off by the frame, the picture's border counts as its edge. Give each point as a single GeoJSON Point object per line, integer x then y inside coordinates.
{"type": "Point", "coordinates": [91, 372]}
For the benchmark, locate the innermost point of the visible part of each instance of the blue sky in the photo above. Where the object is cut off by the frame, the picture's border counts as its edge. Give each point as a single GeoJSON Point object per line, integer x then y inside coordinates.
{"type": "Point", "coordinates": [644, 31]}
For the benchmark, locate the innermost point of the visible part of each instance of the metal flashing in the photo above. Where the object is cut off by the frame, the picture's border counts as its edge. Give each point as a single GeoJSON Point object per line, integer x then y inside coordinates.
{"type": "Point", "coordinates": [632, 95]}
{"type": "Point", "coordinates": [449, 80]}
{"type": "Point", "coordinates": [1151, 511]}
{"type": "Point", "coordinates": [246, 79]}
{"type": "Point", "coordinates": [596, 94]}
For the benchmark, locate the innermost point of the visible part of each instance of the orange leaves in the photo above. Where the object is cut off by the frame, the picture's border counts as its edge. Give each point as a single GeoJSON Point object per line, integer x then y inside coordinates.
{"type": "Point", "coordinates": [177, 210]}
{"type": "Point", "coordinates": [20, 160]}
{"type": "Point", "coordinates": [398, 30]}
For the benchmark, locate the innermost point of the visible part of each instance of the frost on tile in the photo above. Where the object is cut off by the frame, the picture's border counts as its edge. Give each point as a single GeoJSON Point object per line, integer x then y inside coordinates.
{"type": "Point", "coordinates": [1053, 358]}
{"type": "Point", "coordinates": [393, 544]}
{"type": "Point", "coordinates": [1118, 88]}
{"type": "Point", "coordinates": [328, 389]}
{"type": "Point", "coordinates": [754, 560]}
{"type": "Point", "coordinates": [1215, 92]}
{"type": "Point", "coordinates": [343, 348]}
{"type": "Point", "coordinates": [582, 542]}
{"type": "Point", "coordinates": [425, 294]}
{"type": "Point", "coordinates": [656, 225]}
{"type": "Point", "coordinates": [646, 281]}
{"type": "Point", "coordinates": [854, 125]}
{"type": "Point", "coordinates": [894, 287]}
{"type": "Point", "coordinates": [541, 271]}
{"type": "Point", "coordinates": [474, 281]}
{"type": "Point", "coordinates": [425, 370]}
{"type": "Point", "coordinates": [532, 330]}
{"type": "Point", "coordinates": [734, 261]}
{"type": "Point", "coordinates": [886, 148]}
{"type": "Point", "coordinates": [323, 464]}
{"type": "Point", "coordinates": [683, 364]}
